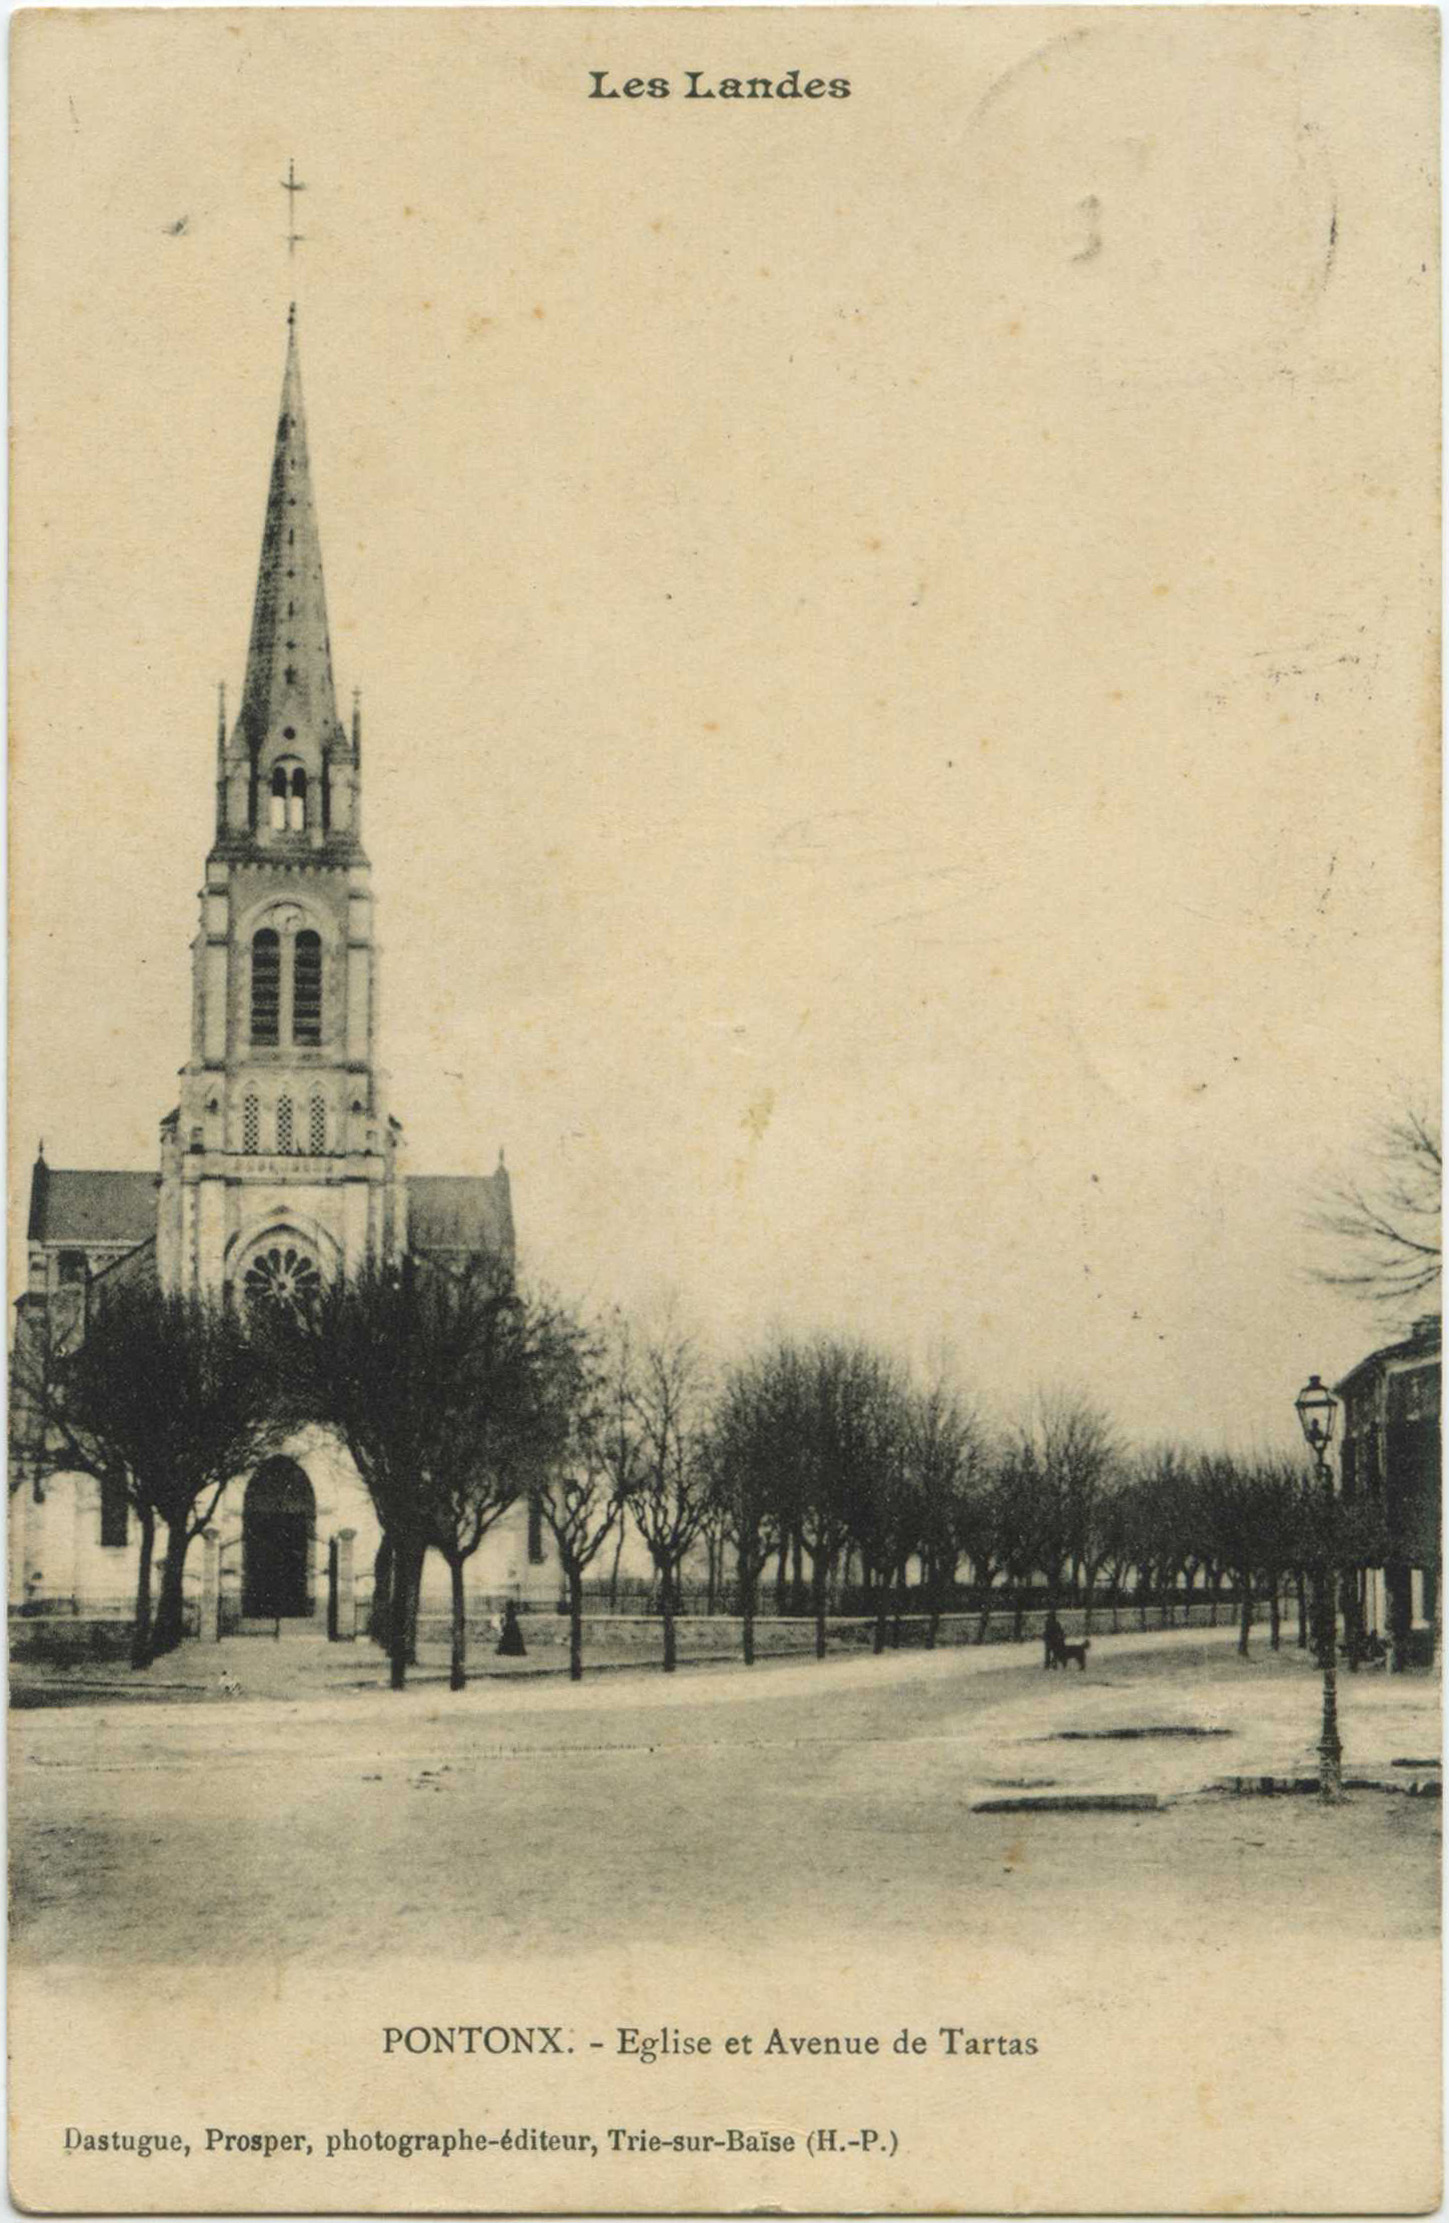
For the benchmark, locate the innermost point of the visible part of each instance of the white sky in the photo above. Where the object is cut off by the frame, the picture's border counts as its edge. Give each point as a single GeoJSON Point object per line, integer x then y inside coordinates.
{"type": "Point", "coordinates": [900, 743]}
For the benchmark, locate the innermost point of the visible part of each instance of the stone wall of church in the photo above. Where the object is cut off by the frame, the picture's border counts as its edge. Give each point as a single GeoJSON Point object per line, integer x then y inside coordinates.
{"type": "Point", "coordinates": [60, 1563]}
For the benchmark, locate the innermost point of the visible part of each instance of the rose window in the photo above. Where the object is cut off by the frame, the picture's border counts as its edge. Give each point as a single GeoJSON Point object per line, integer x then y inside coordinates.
{"type": "Point", "coordinates": [283, 1277]}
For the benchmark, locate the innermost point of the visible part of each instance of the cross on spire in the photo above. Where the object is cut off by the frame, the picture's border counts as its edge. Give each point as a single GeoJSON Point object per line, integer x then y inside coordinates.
{"type": "Point", "coordinates": [292, 185]}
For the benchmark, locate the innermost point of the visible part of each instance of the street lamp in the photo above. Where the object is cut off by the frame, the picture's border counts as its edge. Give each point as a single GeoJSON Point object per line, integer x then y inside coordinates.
{"type": "Point", "coordinates": [1317, 1409]}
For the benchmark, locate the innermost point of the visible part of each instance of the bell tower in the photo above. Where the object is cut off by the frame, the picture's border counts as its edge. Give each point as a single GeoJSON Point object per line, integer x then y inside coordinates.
{"type": "Point", "coordinates": [281, 1160]}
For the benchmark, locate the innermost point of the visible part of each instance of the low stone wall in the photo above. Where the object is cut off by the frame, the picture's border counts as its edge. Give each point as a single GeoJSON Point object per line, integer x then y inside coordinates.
{"type": "Point", "coordinates": [701, 1635]}
{"type": "Point", "coordinates": [65, 1640]}
{"type": "Point", "coordinates": [61, 1639]}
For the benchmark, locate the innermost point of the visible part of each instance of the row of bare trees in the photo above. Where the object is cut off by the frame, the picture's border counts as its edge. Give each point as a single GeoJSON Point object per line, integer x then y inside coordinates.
{"type": "Point", "coordinates": [458, 1394]}
{"type": "Point", "coordinates": [831, 1445]}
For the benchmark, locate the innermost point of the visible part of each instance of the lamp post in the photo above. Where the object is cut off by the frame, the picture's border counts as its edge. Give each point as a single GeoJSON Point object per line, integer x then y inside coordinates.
{"type": "Point", "coordinates": [1317, 1409]}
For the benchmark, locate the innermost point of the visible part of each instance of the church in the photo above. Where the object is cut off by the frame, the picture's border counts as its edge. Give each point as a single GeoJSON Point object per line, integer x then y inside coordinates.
{"type": "Point", "coordinates": [282, 1164]}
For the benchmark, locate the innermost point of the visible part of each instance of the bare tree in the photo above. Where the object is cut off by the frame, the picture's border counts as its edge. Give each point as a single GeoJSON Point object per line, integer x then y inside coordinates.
{"type": "Point", "coordinates": [1075, 1450]}
{"type": "Point", "coordinates": [164, 1396]}
{"type": "Point", "coordinates": [652, 1441]}
{"type": "Point", "coordinates": [1016, 1519]}
{"type": "Point", "coordinates": [1238, 1513]}
{"type": "Point", "coordinates": [436, 1379]}
{"type": "Point", "coordinates": [947, 1453]}
{"type": "Point", "coordinates": [516, 1357]}
{"type": "Point", "coordinates": [578, 1498]}
{"type": "Point", "coordinates": [837, 1457]}
{"type": "Point", "coordinates": [871, 1449]}
{"type": "Point", "coordinates": [1384, 1226]}
{"type": "Point", "coordinates": [1165, 1523]}
{"type": "Point", "coordinates": [749, 1448]}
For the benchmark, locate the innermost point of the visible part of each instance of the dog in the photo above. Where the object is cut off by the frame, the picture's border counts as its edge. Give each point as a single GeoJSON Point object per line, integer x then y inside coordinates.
{"type": "Point", "coordinates": [228, 1684]}
{"type": "Point", "coordinates": [1077, 1652]}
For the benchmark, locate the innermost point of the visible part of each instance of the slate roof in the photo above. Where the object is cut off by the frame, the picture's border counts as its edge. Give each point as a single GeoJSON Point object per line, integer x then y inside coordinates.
{"type": "Point", "coordinates": [1423, 1344]}
{"type": "Point", "coordinates": [445, 1211]}
{"type": "Point", "coordinates": [460, 1211]}
{"type": "Point", "coordinates": [74, 1206]}
{"type": "Point", "coordinates": [289, 660]}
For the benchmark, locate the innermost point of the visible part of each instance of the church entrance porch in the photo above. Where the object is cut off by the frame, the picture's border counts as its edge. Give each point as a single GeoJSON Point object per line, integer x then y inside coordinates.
{"type": "Point", "coordinates": [279, 1518]}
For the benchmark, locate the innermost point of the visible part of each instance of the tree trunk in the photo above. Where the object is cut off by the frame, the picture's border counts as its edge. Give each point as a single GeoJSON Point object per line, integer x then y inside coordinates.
{"type": "Point", "coordinates": [1352, 1618]}
{"type": "Point", "coordinates": [379, 1613]}
{"type": "Point", "coordinates": [458, 1671]}
{"type": "Point", "coordinates": [170, 1621]}
{"type": "Point", "coordinates": [797, 1568]}
{"type": "Point", "coordinates": [141, 1627]}
{"type": "Point", "coordinates": [819, 1575]}
{"type": "Point", "coordinates": [1274, 1615]}
{"type": "Point", "coordinates": [666, 1606]}
{"type": "Point", "coordinates": [614, 1571]}
{"type": "Point", "coordinates": [406, 1572]}
{"type": "Point", "coordinates": [1089, 1587]}
{"type": "Point", "coordinates": [576, 1624]}
{"type": "Point", "coordinates": [747, 1580]}
{"type": "Point", "coordinates": [1246, 1621]}
{"type": "Point", "coordinates": [414, 1599]}
{"type": "Point", "coordinates": [880, 1601]}
{"type": "Point", "coordinates": [1300, 1581]}
{"type": "Point", "coordinates": [1328, 1646]}
{"type": "Point", "coordinates": [1018, 1614]}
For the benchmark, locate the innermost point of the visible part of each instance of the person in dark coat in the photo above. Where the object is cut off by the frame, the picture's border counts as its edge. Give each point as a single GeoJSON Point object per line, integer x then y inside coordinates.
{"type": "Point", "coordinates": [511, 1645]}
{"type": "Point", "coordinates": [1054, 1642]}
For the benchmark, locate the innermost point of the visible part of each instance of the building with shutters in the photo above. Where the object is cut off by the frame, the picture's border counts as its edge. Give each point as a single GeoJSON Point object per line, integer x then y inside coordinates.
{"type": "Point", "coordinates": [1391, 1455]}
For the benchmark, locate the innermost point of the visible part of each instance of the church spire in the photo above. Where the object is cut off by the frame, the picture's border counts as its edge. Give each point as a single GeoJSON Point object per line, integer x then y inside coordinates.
{"type": "Point", "coordinates": [288, 692]}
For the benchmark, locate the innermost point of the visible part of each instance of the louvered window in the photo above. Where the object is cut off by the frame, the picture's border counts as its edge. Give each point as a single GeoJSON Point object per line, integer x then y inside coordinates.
{"type": "Point", "coordinates": [266, 987]}
{"type": "Point", "coordinates": [307, 988]}
{"type": "Point", "coordinates": [251, 1125]}
{"type": "Point", "coordinates": [284, 1123]}
{"type": "Point", "coordinates": [317, 1128]}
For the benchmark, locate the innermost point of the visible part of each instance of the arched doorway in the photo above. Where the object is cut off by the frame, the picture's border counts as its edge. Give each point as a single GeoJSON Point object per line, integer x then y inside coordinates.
{"type": "Point", "coordinates": [279, 1514]}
